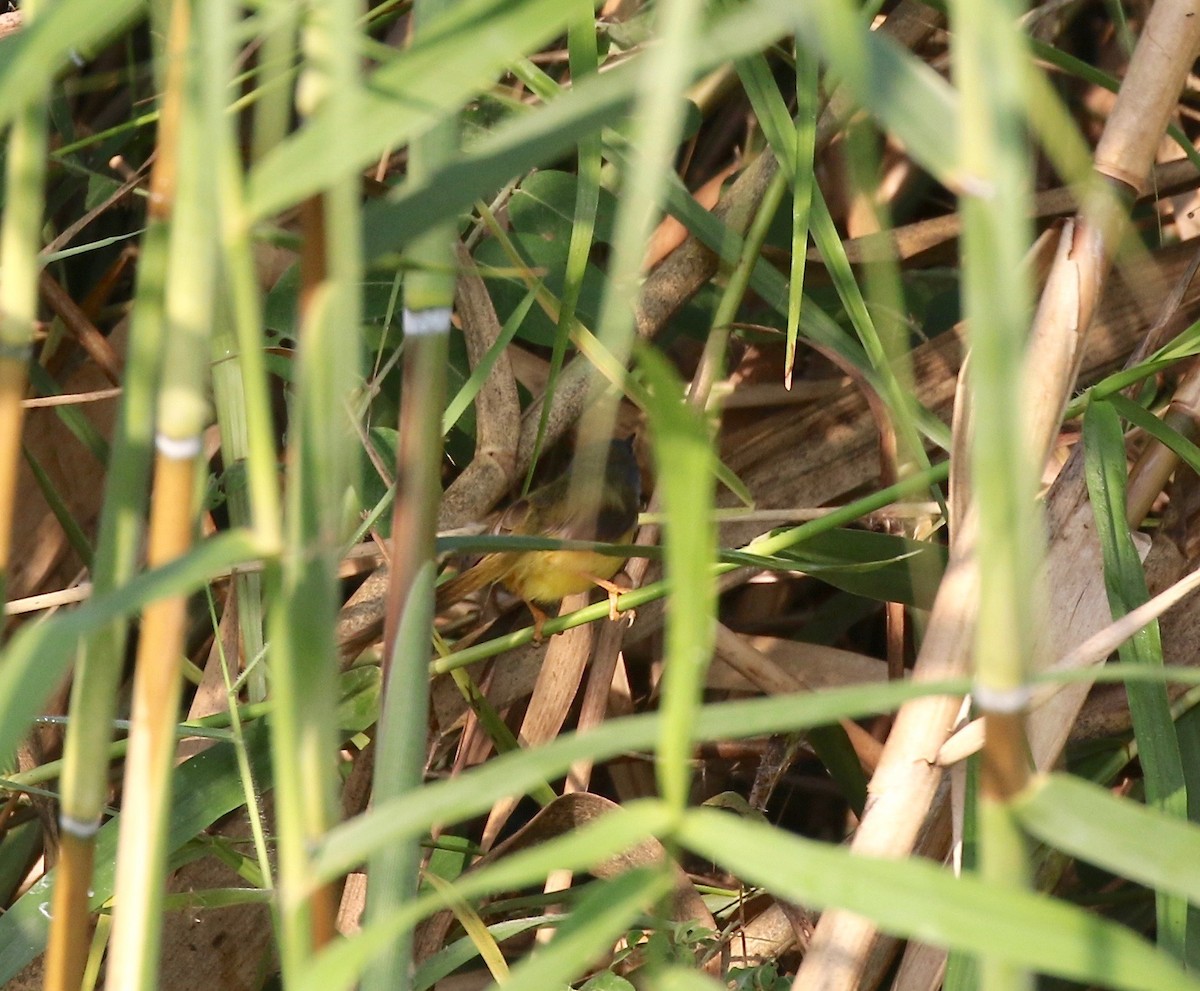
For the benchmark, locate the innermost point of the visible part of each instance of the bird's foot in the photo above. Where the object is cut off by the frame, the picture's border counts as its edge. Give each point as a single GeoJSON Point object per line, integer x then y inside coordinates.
{"type": "Point", "coordinates": [614, 592]}
{"type": "Point", "coordinates": [539, 620]}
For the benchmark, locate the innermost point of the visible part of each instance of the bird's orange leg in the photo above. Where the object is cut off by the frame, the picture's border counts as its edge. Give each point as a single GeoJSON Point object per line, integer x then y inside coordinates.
{"type": "Point", "coordinates": [539, 620]}
{"type": "Point", "coordinates": [614, 590]}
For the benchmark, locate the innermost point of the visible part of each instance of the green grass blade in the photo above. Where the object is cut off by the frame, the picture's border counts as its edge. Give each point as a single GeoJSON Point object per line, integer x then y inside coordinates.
{"type": "Point", "coordinates": [1125, 581]}
{"type": "Point", "coordinates": [578, 850]}
{"type": "Point", "coordinates": [1093, 824]}
{"type": "Point", "coordinates": [1139, 416]}
{"type": "Point", "coordinates": [918, 900]}
{"type": "Point", "coordinates": [803, 184]}
{"type": "Point", "coordinates": [600, 918]}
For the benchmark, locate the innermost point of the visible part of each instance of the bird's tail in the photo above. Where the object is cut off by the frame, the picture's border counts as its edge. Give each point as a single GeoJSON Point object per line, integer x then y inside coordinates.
{"type": "Point", "coordinates": [486, 571]}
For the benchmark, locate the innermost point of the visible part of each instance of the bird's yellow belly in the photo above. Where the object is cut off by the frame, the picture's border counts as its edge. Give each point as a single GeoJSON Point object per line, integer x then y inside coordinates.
{"type": "Point", "coordinates": [547, 576]}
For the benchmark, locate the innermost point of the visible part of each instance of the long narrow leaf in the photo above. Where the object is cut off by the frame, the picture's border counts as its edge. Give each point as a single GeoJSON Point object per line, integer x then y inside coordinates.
{"type": "Point", "coordinates": [1030, 930]}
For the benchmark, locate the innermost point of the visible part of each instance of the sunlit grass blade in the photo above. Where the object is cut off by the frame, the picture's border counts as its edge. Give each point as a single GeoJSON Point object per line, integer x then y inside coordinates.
{"type": "Point", "coordinates": [803, 183]}
{"type": "Point", "coordinates": [473, 792]}
{"type": "Point", "coordinates": [1149, 706]}
{"type": "Point", "coordinates": [1095, 825]}
{"type": "Point", "coordinates": [1028, 930]}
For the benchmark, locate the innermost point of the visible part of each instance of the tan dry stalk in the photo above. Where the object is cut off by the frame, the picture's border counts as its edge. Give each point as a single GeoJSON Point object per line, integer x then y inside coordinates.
{"type": "Point", "coordinates": [904, 788]}
{"type": "Point", "coordinates": [934, 237]}
{"type": "Point", "coordinates": [10, 23]}
{"type": "Point", "coordinates": [156, 692]}
{"type": "Point", "coordinates": [906, 782]}
{"type": "Point", "coordinates": [1157, 462]}
{"type": "Point", "coordinates": [12, 416]}
{"type": "Point", "coordinates": [1126, 151]}
{"type": "Point", "coordinates": [67, 950]}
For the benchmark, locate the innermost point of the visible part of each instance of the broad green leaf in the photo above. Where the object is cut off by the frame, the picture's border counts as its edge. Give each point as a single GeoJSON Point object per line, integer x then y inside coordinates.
{"type": "Point", "coordinates": [546, 262]}
{"type": "Point", "coordinates": [875, 565]}
{"type": "Point", "coordinates": [915, 899]}
{"type": "Point", "coordinates": [1117, 834]}
{"type": "Point", "coordinates": [544, 204]}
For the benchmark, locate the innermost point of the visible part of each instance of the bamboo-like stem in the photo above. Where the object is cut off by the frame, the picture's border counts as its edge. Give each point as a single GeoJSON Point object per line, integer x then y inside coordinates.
{"type": "Point", "coordinates": [321, 458]}
{"type": "Point", "coordinates": [1157, 463]}
{"type": "Point", "coordinates": [240, 386]}
{"type": "Point", "coordinates": [991, 63]}
{"type": "Point", "coordinates": [182, 412]}
{"type": "Point", "coordinates": [141, 850]}
{"type": "Point", "coordinates": [20, 241]}
{"type": "Point", "coordinates": [93, 692]}
{"type": "Point", "coordinates": [996, 237]}
{"type": "Point", "coordinates": [400, 754]}
{"type": "Point", "coordinates": [1124, 157]}
{"type": "Point", "coordinates": [12, 415]}
{"type": "Point", "coordinates": [67, 952]}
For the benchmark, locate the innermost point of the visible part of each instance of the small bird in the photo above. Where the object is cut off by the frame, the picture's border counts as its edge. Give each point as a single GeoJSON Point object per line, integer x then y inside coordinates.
{"type": "Point", "coordinates": [568, 512]}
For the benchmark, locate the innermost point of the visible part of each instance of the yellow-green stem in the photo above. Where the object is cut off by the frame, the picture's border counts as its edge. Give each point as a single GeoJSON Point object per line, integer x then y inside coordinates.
{"type": "Point", "coordinates": [141, 848]}
{"type": "Point", "coordinates": [20, 241]}
{"type": "Point", "coordinates": [93, 693]}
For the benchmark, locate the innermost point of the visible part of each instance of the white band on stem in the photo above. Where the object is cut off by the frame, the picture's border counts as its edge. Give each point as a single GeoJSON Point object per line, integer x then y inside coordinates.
{"type": "Point", "coordinates": [420, 323]}
{"type": "Point", "coordinates": [1003, 701]}
{"type": "Point", "coordinates": [178, 448]}
{"type": "Point", "coordinates": [77, 827]}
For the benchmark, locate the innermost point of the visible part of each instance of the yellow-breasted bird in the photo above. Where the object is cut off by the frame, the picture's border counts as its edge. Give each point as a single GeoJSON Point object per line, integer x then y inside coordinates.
{"type": "Point", "coordinates": [565, 511]}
